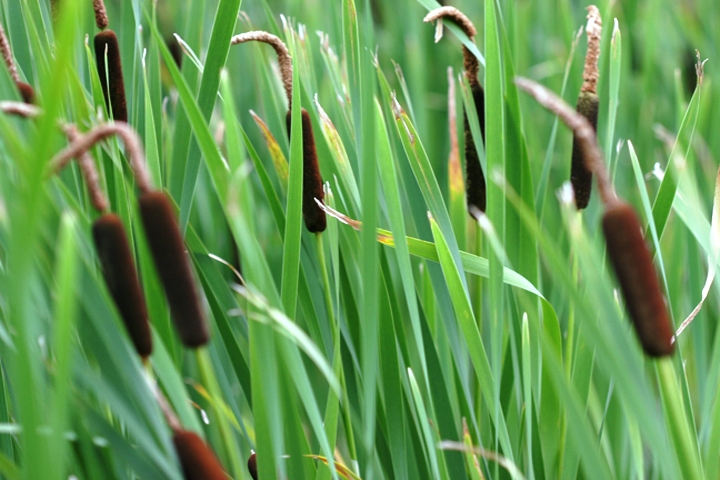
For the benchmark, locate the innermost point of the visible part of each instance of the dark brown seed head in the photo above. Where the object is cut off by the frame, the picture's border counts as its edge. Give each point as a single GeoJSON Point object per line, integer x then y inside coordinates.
{"type": "Point", "coordinates": [175, 50]}
{"type": "Point", "coordinates": [196, 458]}
{"type": "Point", "coordinates": [26, 92]}
{"type": "Point", "coordinates": [633, 267]}
{"type": "Point", "coordinates": [475, 178]}
{"type": "Point", "coordinates": [121, 278]}
{"type": "Point", "coordinates": [315, 219]}
{"type": "Point", "coordinates": [173, 267]}
{"type": "Point", "coordinates": [580, 174]}
{"type": "Point", "coordinates": [113, 86]}
{"type": "Point", "coordinates": [252, 466]}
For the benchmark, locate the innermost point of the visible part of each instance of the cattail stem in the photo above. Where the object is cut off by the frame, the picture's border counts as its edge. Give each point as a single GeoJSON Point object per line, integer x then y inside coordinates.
{"type": "Point", "coordinates": [89, 172]}
{"type": "Point", "coordinates": [476, 190]}
{"type": "Point", "coordinates": [101, 18]}
{"type": "Point", "coordinates": [7, 55]}
{"type": "Point", "coordinates": [284, 59]}
{"type": "Point", "coordinates": [21, 109]}
{"type": "Point", "coordinates": [133, 146]}
{"type": "Point", "coordinates": [584, 133]}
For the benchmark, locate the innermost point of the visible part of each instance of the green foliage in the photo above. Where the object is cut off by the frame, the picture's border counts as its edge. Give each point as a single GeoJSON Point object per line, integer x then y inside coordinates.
{"type": "Point", "coordinates": [420, 344]}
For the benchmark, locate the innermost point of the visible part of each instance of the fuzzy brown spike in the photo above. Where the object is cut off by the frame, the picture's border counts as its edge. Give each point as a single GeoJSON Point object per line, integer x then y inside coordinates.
{"type": "Point", "coordinates": [26, 92]}
{"type": "Point", "coordinates": [252, 466]}
{"type": "Point", "coordinates": [196, 458]}
{"type": "Point", "coordinates": [175, 49]}
{"type": "Point", "coordinates": [475, 189]}
{"type": "Point", "coordinates": [633, 267]}
{"type": "Point", "coordinates": [121, 279]}
{"type": "Point", "coordinates": [168, 251]}
{"type": "Point", "coordinates": [113, 86]}
{"type": "Point", "coordinates": [101, 18]}
{"type": "Point", "coordinates": [314, 216]}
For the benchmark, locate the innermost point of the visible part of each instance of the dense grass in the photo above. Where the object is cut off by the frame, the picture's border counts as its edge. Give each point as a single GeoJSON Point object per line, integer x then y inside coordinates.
{"type": "Point", "coordinates": [379, 351]}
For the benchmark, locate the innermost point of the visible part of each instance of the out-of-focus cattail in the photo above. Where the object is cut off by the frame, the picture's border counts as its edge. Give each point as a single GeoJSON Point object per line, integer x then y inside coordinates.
{"type": "Point", "coordinates": [626, 247]}
{"type": "Point", "coordinates": [314, 216]}
{"type": "Point", "coordinates": [476, 189]}
{"type": "Point", "coordinates": [26, 92]}
{"type": "Point", "coordinates": [587, 106]}
{"type": "Point", "coordinates": [252, 466]}
{"type": "Point", "coordinates": [634, 270]}
{"type": "Point", "coordinates": [121, 278]}
{"type": "Point", "coordinates": [168, 251]}
{"type": "Point", "coordinates": [113, 87]}
{"type": "Point", "coordinates": [196, 458]}
{"type": "Point", "coordinates": [175, 49]}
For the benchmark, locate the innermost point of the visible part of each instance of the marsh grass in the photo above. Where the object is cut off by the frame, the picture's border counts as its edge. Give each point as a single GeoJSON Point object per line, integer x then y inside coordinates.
{"type": "Point", "coordinates": [372, 353]}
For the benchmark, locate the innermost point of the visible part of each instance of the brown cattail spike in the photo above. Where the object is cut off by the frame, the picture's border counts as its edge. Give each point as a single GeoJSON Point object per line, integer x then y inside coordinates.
{"type": "Point", "coordinates": [314, 216]}
{"type": "Point", "coordinates": [633, 267]}
{"type": "Point", "coordinates": [7, 55]}
{"type": "Point", "coordinates": [196, 458]}
{"type": "Point", "coordinates": [173, 267]}
{"type": "Point", "coordinates": [113, 87]}
{"type": "Point", "coordinates": [101, 18]}
{"type": "Point", "coordinates": [176, 49]}
{"type": "Point", "coordinates": [121, 279]}
{"type": "Point", "coordinates": [26, 92]}
{"type": "Point", "coordinates": [252, 466]}
{"type": "Point", "coordinates": [475, 183]}
{"type": "Point", "coordinates": [587, 106]}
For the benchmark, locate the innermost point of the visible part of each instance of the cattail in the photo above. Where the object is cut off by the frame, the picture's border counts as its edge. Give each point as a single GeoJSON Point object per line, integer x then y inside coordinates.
{"type": "Point", "coordinates": [314, 216]}
{"type": "Point", "coordinates": [121, 278]}
{"type": "Point", "coordinates": [476, 190]}
{"type": "Point", "coordinates": [175, 49]}
{"type": "Point", "coordinates": [587, 106]}
{"type": "Point", "coordinates": [196, 458]}
{"type": "Point", "coordinates": [113, 87]}
{"type": "Point", "coordinates": [26, 92]}
{"type": "Point", "coordinates": [168, 251]}
{"type": "Point", "coordinates": [626, 247]}
{"type": "Point", "coordinates": [252, 466]}
{"type": "Point", "coordinates": [633, 267]}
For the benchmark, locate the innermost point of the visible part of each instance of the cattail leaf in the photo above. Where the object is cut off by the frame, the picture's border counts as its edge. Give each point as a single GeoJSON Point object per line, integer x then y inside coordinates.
{"type": "Point", "coordinates": [427, 435]}
{"type": "Point", "coordinates": [615, 68]}
{"type": "Point", "coordinates": [278, 157]}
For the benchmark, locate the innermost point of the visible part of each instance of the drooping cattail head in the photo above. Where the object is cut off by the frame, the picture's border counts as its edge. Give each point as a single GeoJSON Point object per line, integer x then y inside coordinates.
{"type": "Point", "coordinates": [475, 182]}
{"type": "Point", "coordinates": [113, 87]}
{"type": "Point", "coordinates": [168, 251]}
{"type": "Point", "coordinates": [634, 270]}
{"type": "Point", "coordinates": [252, 466]}
{"type": "Point", "coordinates": [121, 279]}
{"type": "Point", "coordinates": [587, 106]}
{"type": "Point", "coordinates": [196, 458]}
{"type": "Point", "coordinates": [26, 92]}
{"type": "Point", "coordinates": [314, 216]}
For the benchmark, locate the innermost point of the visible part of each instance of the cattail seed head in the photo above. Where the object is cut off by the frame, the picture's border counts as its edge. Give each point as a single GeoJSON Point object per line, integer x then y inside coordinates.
{"type": "Point", "coordinates": [26, 92]}
{"type": "Point", "coordinates": [252, 466]}
{"type": "Point", "coordinates": [113, 86]}
{"type": "Point", "coordinates": [580, 174]}
{"type": "Point", "coordinates": [196, 458]}
{"type": "Point", "coordinates": [314, 216]}
{"type": "Point", "coordinates": [475, 178]}
{"type": "Point", "coordinates": [121, 278]}
{"type": "Point", "coordinates": [173, 267]}
{"type": "Point", "coordinates": [638, 280]}
{"type": "Point", "coordinates": [175, 50]}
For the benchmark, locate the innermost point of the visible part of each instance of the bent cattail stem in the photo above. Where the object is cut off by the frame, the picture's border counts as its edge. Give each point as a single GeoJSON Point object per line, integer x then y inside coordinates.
{"type": "Point", "coordinates": [89, 172]}
{"type": "Point", "coordinates": [121, 279]}
{"type": "Point", "coordinates": [634, 270]}
{"type": "Point", "coordinates": [476, 187]}
{"type": "Point", "coordinates": [252, 466]}
{"type": "Point", "coordinates": [587, 106]}
{"type": "Point", "coordinates": [284, 60]}
{"type": "Point", "coordinates": [101, 18]}
{"type": "Point", "coordinates": [196, 458]}
{"type": "Point", "coordinates": [133, 146]}
{"type": "Point", "coordinates": [314, 216]}
{"type": "Point", "coordinates": [20, 109]}
{"type": "Point", "coordinates": [171, 262]}
{"type": "Point", "coordinates": [110, 72]}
